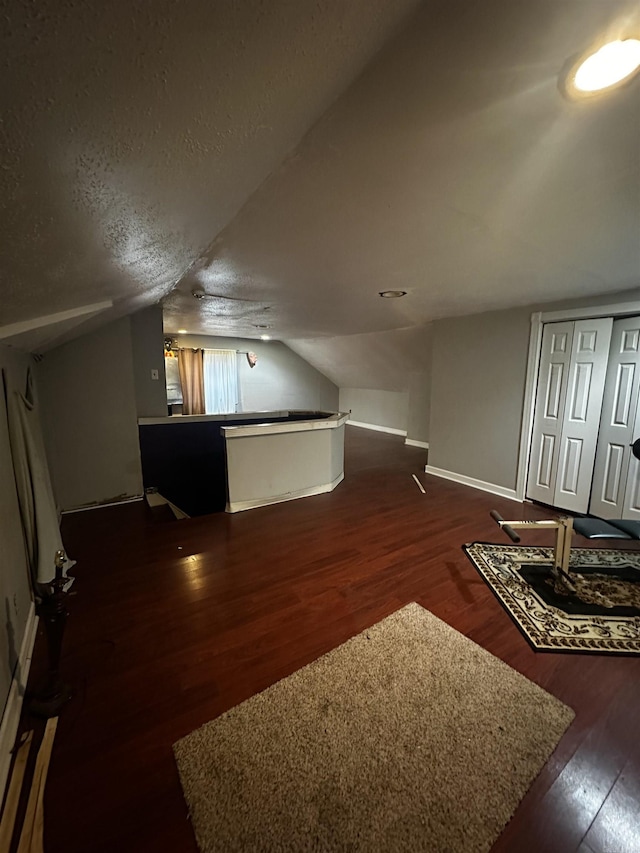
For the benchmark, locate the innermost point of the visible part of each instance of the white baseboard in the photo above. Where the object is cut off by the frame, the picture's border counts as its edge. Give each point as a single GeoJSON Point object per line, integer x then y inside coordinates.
{"type": "Point", "coordinates": [11, 716]}
{"type": "Point", "coordinates": [240, 506]}
{"type": "Point", "coordinates": [128, 500]}
{"type": "Point", "coordinates": [502, 491]}
{"type": "Point", "coordinates": [413, 443]}
{"type": "Point", "coordinates": [377, 428]}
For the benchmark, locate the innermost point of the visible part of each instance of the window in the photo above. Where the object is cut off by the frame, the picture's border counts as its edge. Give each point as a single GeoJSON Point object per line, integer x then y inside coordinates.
{"type": "Point", "coordinates": [220, 381]}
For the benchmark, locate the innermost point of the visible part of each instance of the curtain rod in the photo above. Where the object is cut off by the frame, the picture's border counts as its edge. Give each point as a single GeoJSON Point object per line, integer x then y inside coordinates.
{"type": "Point", "coordinates": [239, 351]}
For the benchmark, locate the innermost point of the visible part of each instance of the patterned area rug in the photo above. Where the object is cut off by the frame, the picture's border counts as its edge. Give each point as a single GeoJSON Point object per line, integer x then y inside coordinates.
{"type": "Point", "coordinates": [603, 615]}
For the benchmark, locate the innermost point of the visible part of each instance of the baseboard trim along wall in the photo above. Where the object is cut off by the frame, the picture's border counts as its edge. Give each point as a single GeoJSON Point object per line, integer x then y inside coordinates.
{"type": "Point", "coordinates": [377, 428]}
{"type": "Point", "coordinates": [11, 716]}
{"type": "Point", "coordinates": [501, 491]}
{"type": "Point", "coordinates": [240, 506]}
{"type": "Point", "coordinates": [412, 442]}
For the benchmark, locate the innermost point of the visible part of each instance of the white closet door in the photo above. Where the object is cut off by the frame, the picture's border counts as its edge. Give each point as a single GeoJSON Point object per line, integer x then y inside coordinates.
{"type": "Point", "coordinates": [583, 405]}
{"type": "Point", "coordinates": [573, 367]}
{"type": "Point", "coordinates": [631, 508]}
{"type": "Point", "coordinates": [553, 378]}
{"type": "Point", "coordinates": [616, 486]}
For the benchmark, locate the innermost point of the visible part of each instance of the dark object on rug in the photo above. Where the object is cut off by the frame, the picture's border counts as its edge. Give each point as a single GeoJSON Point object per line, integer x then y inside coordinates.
{"type": "Point", "coordinates": [409, 736]}
{"type": "Point", "coordinates": [601, 615]}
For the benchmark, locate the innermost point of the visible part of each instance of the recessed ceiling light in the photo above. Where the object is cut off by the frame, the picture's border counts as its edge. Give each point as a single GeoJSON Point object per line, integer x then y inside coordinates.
{"type": "Point", "coordinates": [611, 65]}
{"type": "Point", "coordinates": [182, 332]}
{"type": "Point", "coordinates": [392, 294]}
{"type": "Point", "coordinates": [261, 326]}
{"type": "Point", "coordinates": [265, 337]}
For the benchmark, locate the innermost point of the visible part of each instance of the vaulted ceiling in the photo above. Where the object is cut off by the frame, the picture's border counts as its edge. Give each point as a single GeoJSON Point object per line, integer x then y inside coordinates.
{"type": "Point", "coordinates": [290, 159]}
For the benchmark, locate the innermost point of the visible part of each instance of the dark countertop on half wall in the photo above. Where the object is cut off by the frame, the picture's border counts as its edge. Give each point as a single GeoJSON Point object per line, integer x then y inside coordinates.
{"type": "Point", "coordinates": [187, 466]}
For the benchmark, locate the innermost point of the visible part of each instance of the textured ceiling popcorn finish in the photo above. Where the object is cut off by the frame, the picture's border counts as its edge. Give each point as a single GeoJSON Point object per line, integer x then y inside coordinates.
{"type": "Point", "coordinates": [295, 158]}
{"type": "Point", "coordinates": [133, 132]}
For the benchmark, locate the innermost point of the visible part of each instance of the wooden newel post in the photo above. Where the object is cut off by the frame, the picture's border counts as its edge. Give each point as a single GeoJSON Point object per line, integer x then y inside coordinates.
{"type": "Point", "coordinates": [52, 609]}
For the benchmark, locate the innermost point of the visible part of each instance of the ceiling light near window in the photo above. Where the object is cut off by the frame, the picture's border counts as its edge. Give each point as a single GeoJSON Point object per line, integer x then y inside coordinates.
{"type": "Point", "coordinates": [392, 294]}
{"type": "Point", "coordinates": [613, 64]}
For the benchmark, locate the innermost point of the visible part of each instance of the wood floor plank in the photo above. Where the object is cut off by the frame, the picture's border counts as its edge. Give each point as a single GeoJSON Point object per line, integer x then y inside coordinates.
{"type": "Point", "coordinates": [616, 826]}
{"type": "Point", "coordinates": [12, 799]}
{"type": "Point", "coordinates": [174, 622]}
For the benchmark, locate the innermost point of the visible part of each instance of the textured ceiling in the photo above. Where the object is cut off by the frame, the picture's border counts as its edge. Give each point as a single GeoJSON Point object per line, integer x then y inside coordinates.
{"type": "Point", "coordinates": [298, 157]}
{"type": "Point", "coordinates": [133, 132]}
{"type": "Point", "coordinates": [383, 361]}
{"type": "Point", "coordinates": [454, 169]}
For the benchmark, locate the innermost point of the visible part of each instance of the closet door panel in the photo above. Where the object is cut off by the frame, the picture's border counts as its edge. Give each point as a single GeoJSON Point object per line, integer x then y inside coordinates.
{"type": "Point", "coordinates": [587, 372]}
{"type": "Point", "coordinates": [615, 492]}
{"type": "Point", "coordinates": [553, 376]}
{"type": "Point", "coordinates": [631, 506]}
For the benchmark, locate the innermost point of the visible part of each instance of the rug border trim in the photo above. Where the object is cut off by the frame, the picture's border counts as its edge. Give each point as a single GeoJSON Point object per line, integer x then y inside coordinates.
{"type": "Point", "coordinates": [507, 608]}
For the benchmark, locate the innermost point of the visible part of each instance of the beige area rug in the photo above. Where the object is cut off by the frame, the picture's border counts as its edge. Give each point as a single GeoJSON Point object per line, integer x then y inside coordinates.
{"type": "Point", "coordinates": [407, 737]}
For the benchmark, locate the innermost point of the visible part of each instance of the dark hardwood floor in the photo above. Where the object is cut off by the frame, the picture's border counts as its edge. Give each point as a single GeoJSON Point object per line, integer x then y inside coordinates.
{"type": "Point", "coordinates": [173, 622]}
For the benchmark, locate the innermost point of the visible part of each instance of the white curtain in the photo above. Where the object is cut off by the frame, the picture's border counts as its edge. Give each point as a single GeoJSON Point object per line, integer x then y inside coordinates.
{"type": "Point", "coordinates": [220, 381]}
{"type": "Point", "coordinates": [38, 511]}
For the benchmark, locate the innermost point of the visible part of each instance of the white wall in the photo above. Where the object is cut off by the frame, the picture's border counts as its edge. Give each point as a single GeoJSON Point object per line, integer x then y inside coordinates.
{"type": "Point", "coordinates": [147, 344]}
{"type": "Point", "coordinates": [280, 380]}
{"type": "Point", "coordinates": [379, 408]}
{"type": "Point", "coordinates": [419, 412]}
{"type": "Point", "coordinates": [279, 466]}
{"type": "Point", "coordinates": [87, 392]}
{"type": "Point", "coordinates": [384, 376]}
{"type": "Point", "coordinates": [15, 589]}
{"type": "Point", "coordinates": [479, 368]}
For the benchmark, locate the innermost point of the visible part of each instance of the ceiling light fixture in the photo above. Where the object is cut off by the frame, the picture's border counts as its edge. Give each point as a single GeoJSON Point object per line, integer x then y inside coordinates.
{"type": "Point", "coordinates": [265, 337]}
{"type": "Point", "coordinates": [612, 65]}
{"type": "Point", "coordinates": [261, 326]}
{"type": "Point", "coordinates": [182, 332]}
{"type": "Point", "coordinates": [392, 294]}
